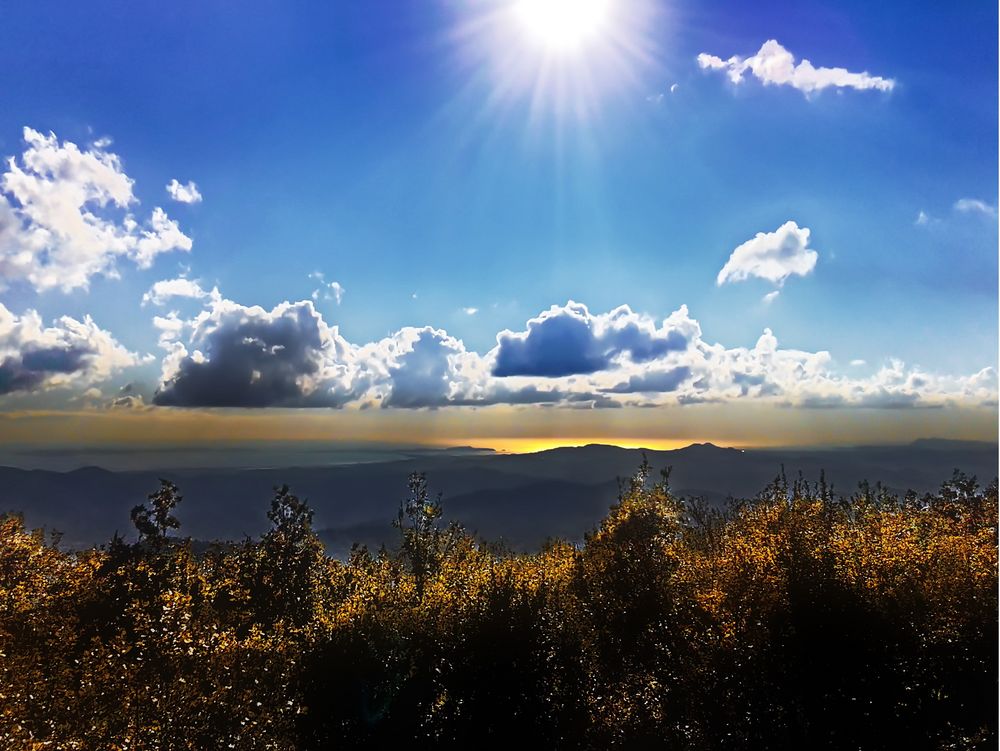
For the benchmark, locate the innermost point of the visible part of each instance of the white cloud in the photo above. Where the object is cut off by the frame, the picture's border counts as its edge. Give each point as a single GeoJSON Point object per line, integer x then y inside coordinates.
{"type": "Point", "coordinates": [770, 297]}
{"type": "Point", "coordinates": [421, 367]}
{"type": "Point", "coordinates": [674, 87]}
{"type": "Point", "coordinates": [922, 218]}
{"type": "Point", "coordinates": [775, 65]}
{"type": "Point", "coordinates": [773, 256]}
{"type": "Point", "coordinates": [238, 356]}
{"type": "Point", "coordinates": [170, 327]}
{"type": "Point", "coordinates": [337, 291]}
{"type": "Point", "coordinates": [790, 377]}
{"type": "Point", "coordinates": [470, 311]}
{"type": "Point", "coordinates": [167, 289]}
{"type": "Point", "coordinates": [858, 363]}
{"type": "Point", "coordinates": [184, 193]}
{"type": "Point", "coordinates": [34, 357]}
{"type": "Point", "coordinates": [64, 216]}
{"type": "Point", "coordinates": [975, 206]}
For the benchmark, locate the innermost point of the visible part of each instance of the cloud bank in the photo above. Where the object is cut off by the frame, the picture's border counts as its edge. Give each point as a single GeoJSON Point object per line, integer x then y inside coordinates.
{"type": "Point", "coordinates": [774, 65]}
{"type": "Point", "coordinates": [231, 355]}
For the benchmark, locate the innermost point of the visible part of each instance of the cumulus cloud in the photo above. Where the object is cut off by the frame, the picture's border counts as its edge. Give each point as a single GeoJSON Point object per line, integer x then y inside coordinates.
{"type": "Point", "coordinates": [170, 326]}
{"type": "Point", "coordinates": [35, 358]}
{"type": "Point", "coordinates": [470, 311]}
{"type": "Point", "coordinates": [64, 216]}
{"type": "Point", "coordinates": [773, 256]}
{"type": "Point", "coordinates": [807, 379]}
{"type": "Point", "coordinates": [250, 357]}
{"type": "Point", "coordinates": [423, 368]}
{"type": "Point", "coordinates": [167, 289]}
{"type": "Point", "coordinates": [238, 356]}
{"type": "Point", "coordinates": [230, 355]}
{"type": "Point", "coordinates": [567, 340]}
{"type": "Point", "coordinates": [775, 65]}
{"type": "Point", "coordinates": [975, 206]}
{"type": "Point", "coordinates": [184, 193]}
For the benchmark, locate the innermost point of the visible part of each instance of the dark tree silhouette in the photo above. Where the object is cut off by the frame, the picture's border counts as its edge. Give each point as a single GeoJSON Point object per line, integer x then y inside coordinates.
{"type": "Point", "coordinates": [155, 522]}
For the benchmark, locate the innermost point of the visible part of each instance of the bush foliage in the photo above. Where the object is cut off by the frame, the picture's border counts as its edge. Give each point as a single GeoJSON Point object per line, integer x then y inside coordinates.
{"type": "Point", "coordinates": [798, 619]}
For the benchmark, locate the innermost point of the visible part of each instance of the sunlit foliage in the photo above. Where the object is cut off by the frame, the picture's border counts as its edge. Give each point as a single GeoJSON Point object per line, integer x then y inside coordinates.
{"type": "Point", "coordinates": [798, 619]}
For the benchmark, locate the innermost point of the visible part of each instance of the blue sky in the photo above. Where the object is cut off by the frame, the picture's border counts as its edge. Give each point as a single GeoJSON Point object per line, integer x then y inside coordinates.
{"type": "Point", "coordinates": [376, 143]}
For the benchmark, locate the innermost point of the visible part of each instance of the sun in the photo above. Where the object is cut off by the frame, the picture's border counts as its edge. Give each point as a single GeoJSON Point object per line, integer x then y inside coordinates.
{"type": "Point", "coordinates": [563, 25]}
{"type": "Point", "coordinates": [559, 62]}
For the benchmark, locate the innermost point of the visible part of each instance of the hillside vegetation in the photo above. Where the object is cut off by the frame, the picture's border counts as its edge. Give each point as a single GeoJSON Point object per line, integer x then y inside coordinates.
{"type": "Point", "coordinates": [798, 619]}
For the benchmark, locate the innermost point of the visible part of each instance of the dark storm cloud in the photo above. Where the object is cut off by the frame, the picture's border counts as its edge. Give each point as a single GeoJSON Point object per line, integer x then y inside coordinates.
{"type": "Point", "coordinates": [29, 370]}
{"type": "Point", "coordinates": [570, 341]}
{"type": "Point", "coordinates": [252, 358]}
{"type": "Point", "coordinates": [56, 359]}
{"type": "Point", "coordinates": [654, 382]}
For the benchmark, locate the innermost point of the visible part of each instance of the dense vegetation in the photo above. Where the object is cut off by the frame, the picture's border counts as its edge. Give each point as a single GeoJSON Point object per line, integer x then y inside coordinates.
{"type": "Point", "coordinates": [799, 619]}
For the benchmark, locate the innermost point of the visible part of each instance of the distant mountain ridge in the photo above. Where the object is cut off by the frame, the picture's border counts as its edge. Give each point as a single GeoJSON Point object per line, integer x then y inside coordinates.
{"type": "Point", "coordinates": [521, 498]}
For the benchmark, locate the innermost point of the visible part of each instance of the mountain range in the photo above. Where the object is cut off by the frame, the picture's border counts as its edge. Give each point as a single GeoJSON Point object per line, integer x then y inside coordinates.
{"type": "Point", "coordinates": [521, 499]}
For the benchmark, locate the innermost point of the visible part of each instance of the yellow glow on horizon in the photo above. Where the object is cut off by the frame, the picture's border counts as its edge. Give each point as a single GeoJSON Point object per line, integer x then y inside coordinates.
{"type": "Point", "coordinates": [503, 428]}
{"type": "Point", "coordinates": [534, 445]}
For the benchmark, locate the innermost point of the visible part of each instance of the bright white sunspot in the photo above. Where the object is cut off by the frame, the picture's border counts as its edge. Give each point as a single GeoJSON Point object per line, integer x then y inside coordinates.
{"type": "Point", "coordinates": [558, 61]}
{"type": "Point", "coordinates": [562, 24]}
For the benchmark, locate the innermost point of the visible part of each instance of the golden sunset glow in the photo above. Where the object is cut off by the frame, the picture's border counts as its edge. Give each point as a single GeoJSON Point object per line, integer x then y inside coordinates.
{"type": "Point", "coordinates": [511, 429]}
{"type": "Point", "coordinates": [534, 445]}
